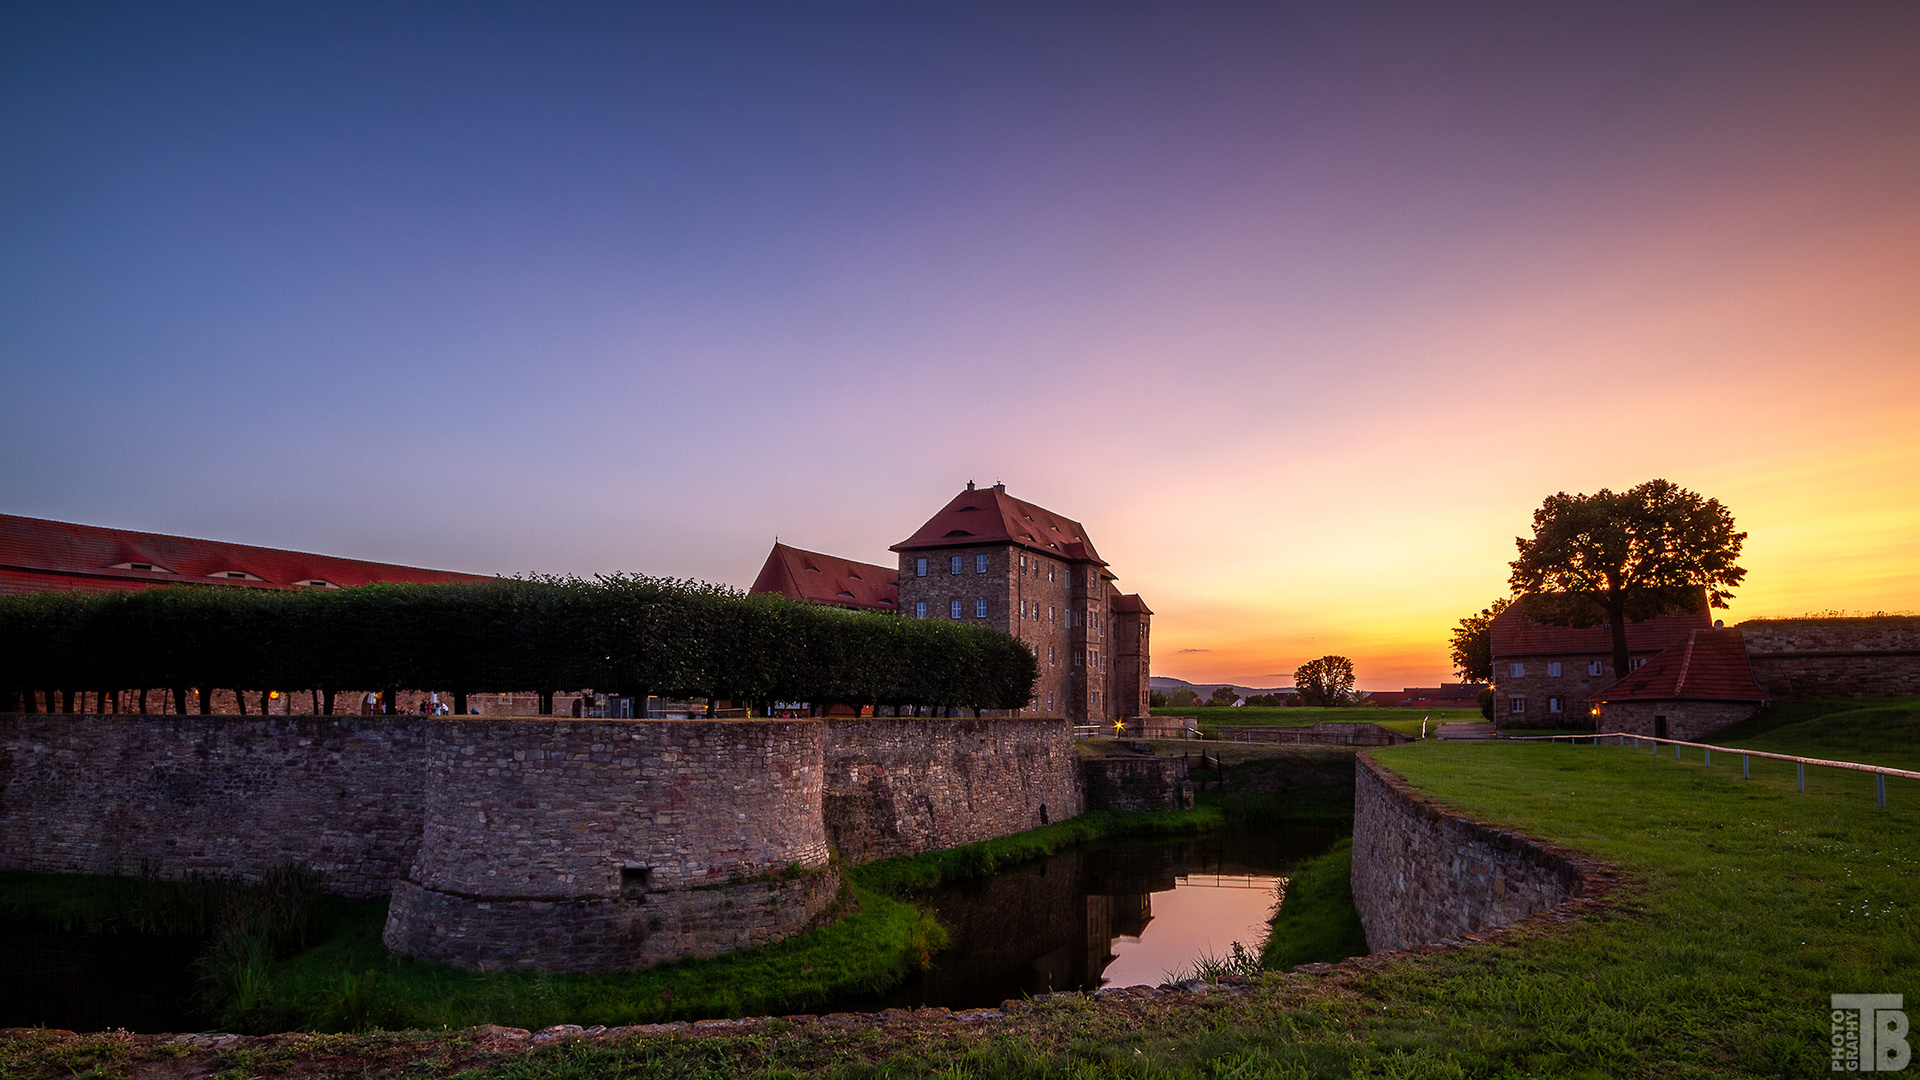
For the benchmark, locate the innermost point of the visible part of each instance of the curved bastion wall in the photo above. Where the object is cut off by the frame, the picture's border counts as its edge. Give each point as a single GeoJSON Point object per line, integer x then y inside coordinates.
{"type": "Point", "coordinates": [1424, 873]}
{"type": "Point", "coordinates": [557, 845]}
{"type": "Point", "coordinates": [601, 845]}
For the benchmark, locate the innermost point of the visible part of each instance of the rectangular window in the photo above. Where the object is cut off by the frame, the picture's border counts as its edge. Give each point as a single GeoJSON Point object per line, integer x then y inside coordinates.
{"type": "Point", "coordinates": [1049, 664]}
{"type": "Point", "coordinates": [1023, 609]}
{"type": "Point", "coordinates": [1596, 667]}
{"type": "Point", "coordinates": [979, 609]}
{"type": "Point", "coordinates": [1553, 672]}
{"type": "Point", "coordinates": [1049, 702]}
{"type": "Point", "coordinates": [1077, 658]}
{"type": "Point", "coordinates": [979, 564]}
{"type": "Point", "coordinates": [920, 609]}
{"type": "Point", "coordinates": [1069, 577]}
{"type": "Point", "coordinates": [1634, 665]}
{"type": "Point", "coordinates": [1553, 704]}
{"type": "Point", "coordinates": [919, 568]}
{"type": "Point", "coordinates": [1049, 571]}
{"type": "Point", "coordinates": [1516, 671]}
{"type": "Point", "coordinates": [956, 564]}
{"type": "Point", "coordinates": [1519, 704]}
{"type": "Point", "coordinates": [1049, 612]}
{"type": "Point", "coordinates": [1023, 564]}
{"type": "Point", "coordinates": [953, 610]}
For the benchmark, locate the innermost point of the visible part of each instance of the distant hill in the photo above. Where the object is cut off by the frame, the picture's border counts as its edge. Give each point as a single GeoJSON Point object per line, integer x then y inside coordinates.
{"type": "Point", "coordinates": [1166, 685]}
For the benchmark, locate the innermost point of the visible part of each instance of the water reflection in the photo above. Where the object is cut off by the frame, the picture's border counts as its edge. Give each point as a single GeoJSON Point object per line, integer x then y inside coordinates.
{"type": "Point", "coordinates": [93, 983]}
{"type": "Point", "coordinates": [1121, 912]}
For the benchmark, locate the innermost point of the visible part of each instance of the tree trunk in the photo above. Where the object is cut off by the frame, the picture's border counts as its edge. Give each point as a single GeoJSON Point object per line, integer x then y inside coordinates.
{"type": "Point", "coordinates": [66, 702]}
{"type": "Point", "coordinates": [240, 701]}
{"type": "Point", "coordinates": [546, 703]}
{"type": "Point", "coordinates": [266, 698]}
{"type": "Point", "coordinates": [326, 701]}
{"type": "Point", "coordinates": [206, 701]}
{"type": "Point", "coordinates": [460, 702]}
{"type": "Point", "coordinates": [143, 701]}
{"type": "Point", "coordinates": [1616, 606]}
{"type": "Point", "coordinates": [180, 700]}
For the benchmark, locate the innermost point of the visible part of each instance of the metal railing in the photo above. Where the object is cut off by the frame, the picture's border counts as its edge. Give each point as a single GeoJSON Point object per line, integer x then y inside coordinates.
{"type": "Point", "coordinates": [1622, 738]}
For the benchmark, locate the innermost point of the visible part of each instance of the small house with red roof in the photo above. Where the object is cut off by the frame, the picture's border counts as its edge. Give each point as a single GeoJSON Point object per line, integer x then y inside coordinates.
{"type": "Point", "coordinates": [1690, 690]}
{"type": "Point", "coordinates": [815, 578]}
{"type": "Point", "coordinates": [1545, 676]}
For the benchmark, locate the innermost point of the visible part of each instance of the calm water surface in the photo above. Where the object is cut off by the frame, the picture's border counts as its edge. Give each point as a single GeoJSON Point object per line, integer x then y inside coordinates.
{"type": "Point", "coordinates": [1113, 913]}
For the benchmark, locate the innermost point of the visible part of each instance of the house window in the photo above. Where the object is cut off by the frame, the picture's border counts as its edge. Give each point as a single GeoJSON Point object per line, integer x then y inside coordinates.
{"type": "Point", "coordinates": [1553, 704]}
{"type": "Point", "coordinates": [979, 564]}
{"type": "Point", "coordinates": [1595, 667]}
{"type": "Point", "coordinates": [1069, 577]}
{"type": "Point", "coordinates": [1023, 609]}
{"type": "Point", "coordinates": [1049, 612]}
{"type": "Point", "coordinates": [1515, 671]}
{"type": "Point", "coordinates": [956, 564]}
{"type": "Point", "coordinates": [919, 568]}
{"type": "Point", "coordinates": [953, 609]}
{"type": "Point", "coordinates": [1049, 702]}
{"type": "Point", "coordinates": [979, 609]}
{"type": "Point", "coordinates": [1049, 664]}
{"type": "Point", "coordinates": [1634, 665]}
{"type": "Point", "coordinates": [1078, 658]}
{"type": "Point", "coordinates": [1519, 705]}
{"type": "Point", "coordinates": [1553, 672]}
{"type": "Point", "coordinates": [1049, 571]}
{"type": "Point", "coordinates": [920, 607]}
{"type": "Point", "coordinates": [1023, 565]}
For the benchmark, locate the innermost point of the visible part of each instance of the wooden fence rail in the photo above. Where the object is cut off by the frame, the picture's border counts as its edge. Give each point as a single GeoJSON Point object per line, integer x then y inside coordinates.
{"type": "Point", "coordinates": [1622, 738]}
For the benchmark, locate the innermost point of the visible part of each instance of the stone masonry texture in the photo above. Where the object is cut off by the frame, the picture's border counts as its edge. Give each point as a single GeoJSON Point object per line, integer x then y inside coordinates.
{"type": "Point", "coordinates": [239, 796]}
{"type": "Point", "coordinates": [1811, 659]}
{"type": "Point", "coordinates": [1422, 873]}
{"type": "Point", "coordinates": [1138, 783]}
{"type": "Point", "coordinates": [559, 845]}
{"type": "Point", "coordinates": [901, 787]}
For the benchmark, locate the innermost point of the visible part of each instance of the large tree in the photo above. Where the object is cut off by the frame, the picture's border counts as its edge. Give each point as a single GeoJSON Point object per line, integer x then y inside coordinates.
{"type": "Point", "coordinates": [1610, 558]}
{"type": "Point", "coordinates": [1472, 649]}
{"type": "Point", "coordinates": [1326, 681]}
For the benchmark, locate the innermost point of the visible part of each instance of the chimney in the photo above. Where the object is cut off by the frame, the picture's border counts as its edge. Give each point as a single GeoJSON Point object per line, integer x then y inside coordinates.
{"type": "Point", "coordinates": [999, 487]}
{"type": "Point", "coordinates": [969, 485]}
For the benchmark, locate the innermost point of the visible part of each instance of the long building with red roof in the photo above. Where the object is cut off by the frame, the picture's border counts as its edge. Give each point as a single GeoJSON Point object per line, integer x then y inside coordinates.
{"type": "Point", "coordinates": [37, 555]}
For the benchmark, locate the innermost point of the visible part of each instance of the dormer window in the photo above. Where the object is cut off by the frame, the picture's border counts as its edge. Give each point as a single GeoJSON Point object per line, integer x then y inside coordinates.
{"type": "Point", "coordinates": [317, 583]}
{"type": "Point", "coordinates": [151, 568]}
{"type": "Point", "coordinates": [234, 575]}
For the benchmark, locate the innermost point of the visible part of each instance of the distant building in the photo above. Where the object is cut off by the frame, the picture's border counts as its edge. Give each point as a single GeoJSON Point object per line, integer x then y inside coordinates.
{"type": "Point", "coordinates": [828, 579]}
{"type": "Point", "coordinates": [1444, 696]}
{"type": "Point", "coordinates": [37, 555]}
{"type": "Point", "coordinates": [990, 558]}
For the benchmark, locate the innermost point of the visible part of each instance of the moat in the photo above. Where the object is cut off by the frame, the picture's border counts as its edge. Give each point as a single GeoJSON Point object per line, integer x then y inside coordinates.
{"type": "Point", "coordinates": [1115, 912]}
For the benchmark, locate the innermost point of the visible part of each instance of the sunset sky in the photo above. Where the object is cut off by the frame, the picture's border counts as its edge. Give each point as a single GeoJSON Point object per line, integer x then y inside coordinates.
{"type": "Point", "coordinates": [1300, 310]}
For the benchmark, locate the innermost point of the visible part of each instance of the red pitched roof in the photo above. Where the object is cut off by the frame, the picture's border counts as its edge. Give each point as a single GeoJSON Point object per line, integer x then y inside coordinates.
{"type": "Point", "coordinates": [1512, 633]}
{"type": "Point", "coordinates": [828, 579]}
{"type": "Point", "coordinates": [991, 516]}
{"type": "Point", "coordinates": [1710, 665]}
{"type": "Point", "coordinates": [37, 555]}
{"type": "Point", "coordinates": [1127, 602]}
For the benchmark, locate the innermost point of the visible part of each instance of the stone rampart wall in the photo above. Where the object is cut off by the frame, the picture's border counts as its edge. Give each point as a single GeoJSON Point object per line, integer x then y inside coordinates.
{"type": "Point", "coordinates": [901, 787]}
{"type": "Point", "coordinates": [605, 844]}
{"type": "Point", "coordinates": [1810, 659]}
{"type": "Point", "coordinates": [1423, 873]}
{"type": "Point", "coordinates": [1138, 783]}
{"type": "Point", "coordinates": [175, 795]}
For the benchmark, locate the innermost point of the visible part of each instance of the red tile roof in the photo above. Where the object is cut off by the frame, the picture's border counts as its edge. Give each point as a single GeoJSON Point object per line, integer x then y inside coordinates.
{"type": "Point", "coordinates": [1130, 602]}
{"type": "Point", "coordinates": [1710, 665]}
{"type": "Point", "coordinates": [828, 579]}
{"type": "Point", "coordinates": [1512, 633]}
{"type": "Point", "coordinates": [991, 516]}
{"type": "Point", "coordinates": [37, 555]}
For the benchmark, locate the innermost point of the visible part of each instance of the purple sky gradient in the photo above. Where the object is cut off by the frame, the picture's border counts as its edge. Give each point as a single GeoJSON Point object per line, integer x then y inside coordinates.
{"type": "Point", "coordinates": [1300, 310]}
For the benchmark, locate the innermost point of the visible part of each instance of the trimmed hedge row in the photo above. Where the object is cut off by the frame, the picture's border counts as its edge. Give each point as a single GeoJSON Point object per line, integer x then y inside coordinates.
{"type": "Point", "coordinates": [623, 634]}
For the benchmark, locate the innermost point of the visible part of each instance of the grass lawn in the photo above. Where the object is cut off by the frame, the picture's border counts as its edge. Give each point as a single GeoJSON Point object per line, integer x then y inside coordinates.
{"type": "Point", "coordinates": [1214, 717]}
{"type": "Point", "coordinates": [1746, 905]}
{"type": "Point", "coordinates": [1879, 732]}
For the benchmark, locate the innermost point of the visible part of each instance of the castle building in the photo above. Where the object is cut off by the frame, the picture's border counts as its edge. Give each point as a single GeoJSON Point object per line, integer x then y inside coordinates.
{"type": "Point", "coordinates": [990, 558]}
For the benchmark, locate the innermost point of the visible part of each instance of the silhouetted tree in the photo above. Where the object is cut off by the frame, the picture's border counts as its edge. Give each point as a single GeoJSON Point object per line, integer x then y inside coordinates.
{"type": "Point", "coordinates": [1611, 558]}
{"type": "Point", "coordinates": [1223, 695]}
{"type": "Point", "coordinates": [1326, 681]}
{"type": "Point", "coordinates": [1472, 650]}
